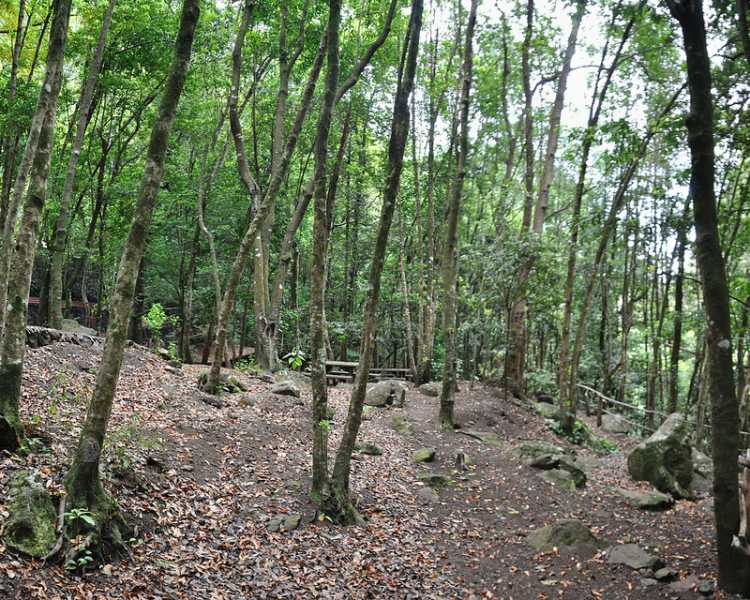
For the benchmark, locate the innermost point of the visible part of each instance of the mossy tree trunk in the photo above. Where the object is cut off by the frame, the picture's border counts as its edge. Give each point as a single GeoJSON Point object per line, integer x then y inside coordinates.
{"type": "Point", "coordinates": [338, 504]}
{"type": "Point", "coordinates": [82, 483]}
{"type": "Point", "coordinates": [59, 235]}
{"type": "Point", "coordinates": [19, 277]}
{"type": "Point", "coordinates": [320, 250]}
{"type": "Point", "coordinates": [450, 266]}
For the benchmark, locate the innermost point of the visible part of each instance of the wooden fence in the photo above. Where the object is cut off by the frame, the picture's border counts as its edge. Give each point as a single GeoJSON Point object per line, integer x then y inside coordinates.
{"type": "Point", "coordinates": [603, 401]}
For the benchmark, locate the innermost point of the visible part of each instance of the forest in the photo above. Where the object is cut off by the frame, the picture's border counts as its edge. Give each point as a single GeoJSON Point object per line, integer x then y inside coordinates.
{"type": "Point", "coordinates": [385, 298]}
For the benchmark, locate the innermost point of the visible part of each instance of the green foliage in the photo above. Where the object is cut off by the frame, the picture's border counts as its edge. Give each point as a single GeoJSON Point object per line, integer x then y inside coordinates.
{"type": "Point", "coordinates": [541, 381]}
{"type": "Point", "coordinates": [295, 359]}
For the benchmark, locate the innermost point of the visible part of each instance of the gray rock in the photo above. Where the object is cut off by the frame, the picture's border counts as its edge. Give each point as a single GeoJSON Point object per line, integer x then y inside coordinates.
{"type": "Point", "coordinates": [73, 326]}
{"type": "Point", "coordinates": [665, 459]}
{"type": "Point", "coordinates": [702, 464]}
{"type": "Point", "coordinates": [560, 478]}
{"type": "Point", "coordinates": [486, 437]}
{"type": "Point", "coordinates": [248, 401]}
{"type": "Point", "coordinates": [291, 522]}
{"type": "Point", "coordinates": [548, 411]}
{"type": "Point", "coordinates": [531, 449]}
{"type": "Point", "coordinates": [633, 556]}
{"type": "Point", "coordinates": [426, 496]}
{"type": "Point", "coordinates": [664, 574]}
{"type": "Point", "coordinates": [174, 371]}
{"type": "Point", "coordinates": [615, 424]}
{"type": "Point", "coordinates": [684, 585]}
{"type": "Point", "coordinates": [284, 522]}
{"type": "Point", "coordinates": [286, 388]}
{"type": "Point", "coordinates": [368, 449]}
{"type": "Point", "coordinates": [648, 582]}
{"type": "Point", "coordinates": [386, 393]}
{"type": "Point", "coordinates": [567, 533]}
{"type": "Point", "coordinates": [560, 462]}
{"type": "Point", "coordinates": [402, 425]}
{"type": "Point", "coordinates": [647, 500]}
{"type": "Point", "coordinates": [435, 480]}
{"type": "Point", "coordinates": [424, 455]}
{"type": "Point", "coordinates": [30, 529]}
{"type": "Point", "coordinates": [706, 588]}
{"type": "Point", "coordinates": [433, 388]}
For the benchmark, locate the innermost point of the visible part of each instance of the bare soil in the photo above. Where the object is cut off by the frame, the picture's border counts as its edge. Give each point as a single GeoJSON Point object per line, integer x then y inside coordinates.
{"type": "Point", "coordinates": [201, 484]}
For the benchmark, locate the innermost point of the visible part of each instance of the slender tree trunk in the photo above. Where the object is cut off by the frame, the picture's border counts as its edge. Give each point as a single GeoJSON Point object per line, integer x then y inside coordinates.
{"type": "Point", "coordinates": [59, 236]}
{"type": "Point", "coordinates": [674, 358]}
{"type": "Point", "coordinates": [269, 197]}
{"type": "Point", "coordinates": [405, 293]}
{"type": "Point", "coordinates": [450, 258]}
{"type": "Point", "coordinates": [318, 351]}
{"type": "Point", "coordinates": [338, 503]}
{"type": "Point", "coordinates": [603, 79]}
{"type": "Point", "coordinates": [19, 278]}
{"type": "Point", "coordinates": [514, 360]}
{"type": "Point", "coordinates": [734, 566]}
{"type": "Point", "coordinates": [46, 105]}
{"type": "Point", "coordinates": [9, 132]}
{"type": "Point", "coordinates": [83, 484]}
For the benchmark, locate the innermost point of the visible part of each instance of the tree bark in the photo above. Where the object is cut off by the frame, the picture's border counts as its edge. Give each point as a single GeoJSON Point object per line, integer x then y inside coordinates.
{"type": "Point", "coordinates": [82, 483]}
{"type": "Point", "coordinates": [338, 504]}
{"type": "Point", "coordinates": [450, 258]}
{"type": "Point", "coordinates": [59, 235]}
{"type": "Point", "coordinates": [320, 424]}
{"type": "Point", "coordinates": [265, 205]}
{"type": "Point", "coordinates": [19, 278]}
{"type": "Point", "coordinates": [734, 566]}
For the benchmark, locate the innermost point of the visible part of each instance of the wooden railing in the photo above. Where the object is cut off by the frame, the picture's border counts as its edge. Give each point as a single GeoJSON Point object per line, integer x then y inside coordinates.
{"type": "Point", "coordinates": [603, 400]}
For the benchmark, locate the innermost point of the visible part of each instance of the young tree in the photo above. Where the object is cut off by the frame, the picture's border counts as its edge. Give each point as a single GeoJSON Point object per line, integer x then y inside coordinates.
{"type": "Point", "coordinates": [62, 221]}
{"type": "Point", "coordinates": [83, 483]}
{"type": "Point", "coordinates": [320, 249]}
{"type": "Point", "coordinates": [338, 504]}
{"type": "Point", "coordinates": [449, 265]}
{"type": "Point", "coordinates": [38, 153]}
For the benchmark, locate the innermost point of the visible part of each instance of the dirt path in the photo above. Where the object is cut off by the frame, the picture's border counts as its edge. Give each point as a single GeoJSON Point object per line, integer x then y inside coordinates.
{"type": "Point", "coordinates": [208, 487]}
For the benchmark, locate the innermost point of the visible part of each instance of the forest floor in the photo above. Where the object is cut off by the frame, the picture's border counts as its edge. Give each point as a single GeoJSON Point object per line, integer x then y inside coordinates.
{"type": "Point", "coordinates": [201, 485]}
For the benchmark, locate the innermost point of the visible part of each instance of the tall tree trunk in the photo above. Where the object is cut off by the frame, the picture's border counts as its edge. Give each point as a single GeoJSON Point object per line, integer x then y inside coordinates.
{"type": "Point", "coordinates": [82, 483]}
{"type": "Point", "coordinates": [405, 293]}
{"type": "Point", "coordinates": [603, 79]}
{"type": "Point", "coordinates": [9, 132]}
{"type": "Point", "coordinates": [338, 503]}
{"type": "Point", "coordinates": [734, 566]}
{"type": "Point", "coordinates": [46, 106]}
{"type": "Point", "coordinates": [515, 364]}
{"type": "Point", "coordinates": [57, 253]}
{"type": "Point", "coordinates": [318, 353]}
{"type": "Point", "coordinates": [674, 357]}
{"type": "Point", "coordinates": [514, 360]}
{"type": "Point", "coordinates": [19, 278]}
{"type": "Point", "coordinates": [269, 197]}
{"type": "Point", "coordinates": [450, 258]}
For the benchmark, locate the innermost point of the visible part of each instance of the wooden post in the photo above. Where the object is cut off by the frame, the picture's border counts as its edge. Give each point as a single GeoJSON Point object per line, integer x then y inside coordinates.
{"type": "Point", "coordinates": [599, 410]}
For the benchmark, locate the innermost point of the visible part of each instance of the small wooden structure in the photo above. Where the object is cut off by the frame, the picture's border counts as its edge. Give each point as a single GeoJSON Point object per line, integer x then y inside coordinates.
{"type": "Point", "coordinates": [344, 371]}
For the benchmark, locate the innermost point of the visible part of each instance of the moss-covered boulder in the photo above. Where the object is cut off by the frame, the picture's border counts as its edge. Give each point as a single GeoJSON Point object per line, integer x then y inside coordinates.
{"type": "Point", "coordinates": [568, 533]}
{"type": "Point", "coordinates": [665, 459]}
{"type": "Point", "coordinates": [543, 409]}
{"type": "Point", "coordinates": [532, 449]}
{"type": "Point", "coordinates": [31, 526]}
{"type": "Point", "coordinates": [424, 455]}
